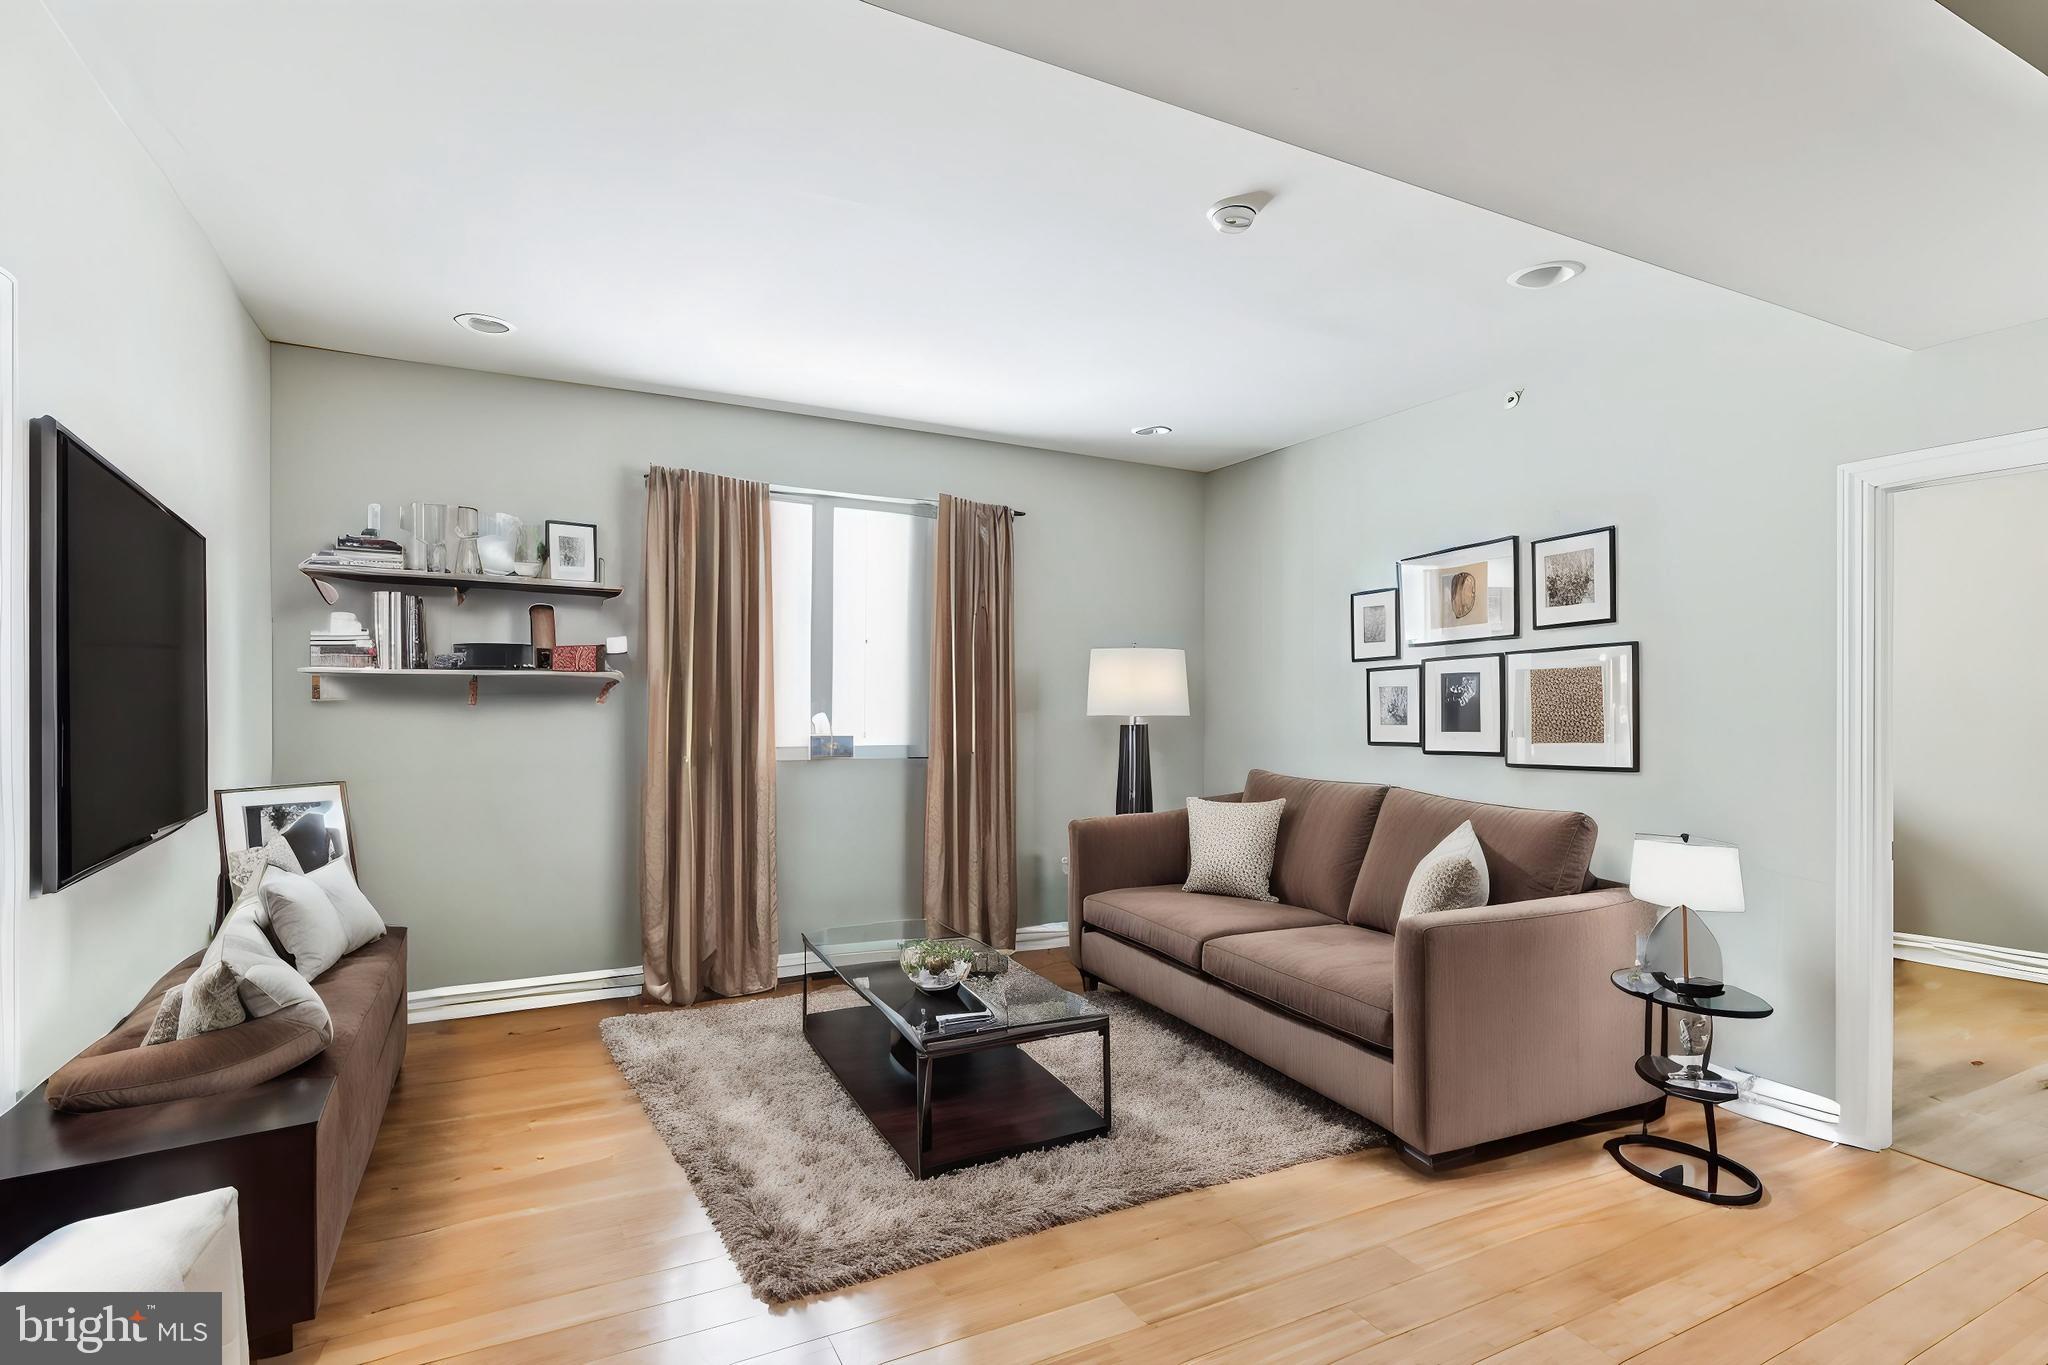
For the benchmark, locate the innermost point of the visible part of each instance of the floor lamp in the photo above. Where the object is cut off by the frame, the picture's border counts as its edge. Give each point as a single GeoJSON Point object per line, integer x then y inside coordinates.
{"type": "Point", "coordinates": [1136, 683]}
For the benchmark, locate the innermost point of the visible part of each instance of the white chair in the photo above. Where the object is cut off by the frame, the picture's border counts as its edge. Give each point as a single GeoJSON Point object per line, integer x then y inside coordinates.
{"type": "Point", "coordinates": [190, 1244]}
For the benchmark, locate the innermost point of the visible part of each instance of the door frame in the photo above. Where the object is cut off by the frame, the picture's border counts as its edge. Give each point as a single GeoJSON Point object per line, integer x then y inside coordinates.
{"type": "Point", "coordinates": [1863, 779]}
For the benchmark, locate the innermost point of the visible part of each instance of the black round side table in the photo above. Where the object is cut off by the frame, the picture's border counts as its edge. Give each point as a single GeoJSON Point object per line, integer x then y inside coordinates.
{"type": "Point", "coordinates": [1710, 1090]}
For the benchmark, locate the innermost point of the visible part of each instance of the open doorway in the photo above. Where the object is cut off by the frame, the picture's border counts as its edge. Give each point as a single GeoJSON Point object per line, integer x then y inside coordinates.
{"type": "Point", "coordinates": [1942, 916]}
{"type": "Point", "coordinates": [1969, 732]}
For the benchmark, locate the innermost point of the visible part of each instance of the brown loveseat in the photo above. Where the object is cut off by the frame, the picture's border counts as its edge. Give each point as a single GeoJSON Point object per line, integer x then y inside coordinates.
{"type": "Point", "coordinates": [1449, 1029]}
{"type": "Point", "coordinates": [294, 1145]}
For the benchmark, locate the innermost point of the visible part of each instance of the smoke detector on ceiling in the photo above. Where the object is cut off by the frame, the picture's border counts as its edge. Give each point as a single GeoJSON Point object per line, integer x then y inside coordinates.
{"type": "Point", "coordinates": [1233, 216]}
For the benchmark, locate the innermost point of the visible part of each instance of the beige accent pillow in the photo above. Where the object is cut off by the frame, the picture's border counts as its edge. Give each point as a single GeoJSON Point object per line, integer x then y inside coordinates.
{"type": "Point", "coordinates": [267, 986]}
{"type": "Point", "coordinates": [304, 920]}
{"type": "Point", "coordinates": [1451, 876]}
{"type": "Point", "coordinates": [1230, 847]}
{"type": "Point", "coordinates": [164, 1027]}
{"type": "Point", "coordinates": [361, 925]}
{"type": "Point", "coordinates": [245, 865]}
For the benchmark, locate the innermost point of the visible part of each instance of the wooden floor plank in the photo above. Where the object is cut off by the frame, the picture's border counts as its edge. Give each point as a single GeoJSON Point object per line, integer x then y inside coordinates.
{"type": "Point", "coordinates": [520, 1208]}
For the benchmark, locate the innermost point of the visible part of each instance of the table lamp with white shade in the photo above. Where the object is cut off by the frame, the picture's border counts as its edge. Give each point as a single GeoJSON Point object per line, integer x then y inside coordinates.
{"type": "Point", "coordinates": [1691, 876]}
{"type": "Point", "coordinates": [1136, 682]}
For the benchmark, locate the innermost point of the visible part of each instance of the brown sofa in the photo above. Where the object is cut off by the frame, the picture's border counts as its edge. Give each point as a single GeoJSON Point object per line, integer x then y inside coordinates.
{"type": "Point", "coordinates": [1449, 1030]}
{"type": "Point", "coordinates": [293, 1145]}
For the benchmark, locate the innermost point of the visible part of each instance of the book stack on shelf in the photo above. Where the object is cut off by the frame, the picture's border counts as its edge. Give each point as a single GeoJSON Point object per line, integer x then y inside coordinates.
{"type": "Point", "coordinates": [398, 626]}
{"type": "Point", "coordinates": [360, 552]}
{"type": "Point", "coordinates": [344, 644]}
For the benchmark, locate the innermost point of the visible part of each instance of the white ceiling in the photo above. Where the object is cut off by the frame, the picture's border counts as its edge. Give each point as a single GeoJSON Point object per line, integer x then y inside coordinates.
{"type": "Point", "coordinates": [821, 206]}
{"type": "Point", "coordinates": [1876, 163]}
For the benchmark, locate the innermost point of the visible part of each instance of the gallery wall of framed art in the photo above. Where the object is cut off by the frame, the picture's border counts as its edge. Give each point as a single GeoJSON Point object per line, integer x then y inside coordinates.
{"type": "Point", "coordinates": [1575, 707]}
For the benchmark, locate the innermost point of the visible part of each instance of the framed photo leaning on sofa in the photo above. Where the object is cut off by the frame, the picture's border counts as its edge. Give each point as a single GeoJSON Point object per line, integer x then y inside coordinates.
{"type": "Point", "coordinates": [311, 818]}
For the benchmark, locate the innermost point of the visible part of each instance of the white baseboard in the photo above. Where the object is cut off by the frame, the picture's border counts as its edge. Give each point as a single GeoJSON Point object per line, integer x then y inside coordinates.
{"type": "Point", "coordinates": [1787, 1106]}
{"type": "Point", "coordinates": [2018, 963]}
{"type": "Point", "coordinates": [542, 992]}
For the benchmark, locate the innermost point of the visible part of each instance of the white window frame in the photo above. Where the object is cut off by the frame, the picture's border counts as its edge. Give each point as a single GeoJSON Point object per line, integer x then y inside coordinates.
{"type": "Point", "coordinates": [822, 506]}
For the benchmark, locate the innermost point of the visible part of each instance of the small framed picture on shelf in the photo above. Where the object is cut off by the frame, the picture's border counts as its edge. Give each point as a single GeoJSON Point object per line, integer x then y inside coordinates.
{"type": "Point", "coordinates": [1576, 706]}
{"type": "Point", "coordinates": [1572, 579]}
{"type": "Point", "coordinates": [1462, 711]}
{"type": "Point", "coordinates": [1465, 593]}
{"type": "Point", "coordinates": [1393, 705]}
{"type": "Point", "coordinates": [572, 551]}
{"type": "Point", "coordinates": [1375, 625]}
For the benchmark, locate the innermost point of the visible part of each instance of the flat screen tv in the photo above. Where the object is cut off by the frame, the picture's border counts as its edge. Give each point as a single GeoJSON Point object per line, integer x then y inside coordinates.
{"type": "Point", "coordinates": [117, 583]}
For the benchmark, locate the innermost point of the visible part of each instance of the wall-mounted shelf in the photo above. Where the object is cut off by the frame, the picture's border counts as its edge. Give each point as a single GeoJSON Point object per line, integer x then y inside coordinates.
{"type": "Point", "coordinates": [606, 680]}
{"type": "Point", "coordinates": [325, 576]}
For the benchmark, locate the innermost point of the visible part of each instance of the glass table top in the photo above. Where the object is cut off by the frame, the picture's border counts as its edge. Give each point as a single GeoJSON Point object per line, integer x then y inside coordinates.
{"type": "Point", "coordinates": [1731, 1003]}
{"type": "Point", "coordinates": [1020, 1002]}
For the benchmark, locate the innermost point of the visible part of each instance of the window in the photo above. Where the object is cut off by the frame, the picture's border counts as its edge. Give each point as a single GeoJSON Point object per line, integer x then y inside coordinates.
{"type": "Point", "coordinates": [853, 622]}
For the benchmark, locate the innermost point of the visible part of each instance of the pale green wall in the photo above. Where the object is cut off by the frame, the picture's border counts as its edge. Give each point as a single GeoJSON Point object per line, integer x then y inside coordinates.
{"type": "Point", "coordinates": [506, 837]}
{"type": "Point", "coordinates": [1715, 453]}
{"type": "Point", "coordinates": [130, 333]}
{"type": "Point", "coordinates": [1969, 733]}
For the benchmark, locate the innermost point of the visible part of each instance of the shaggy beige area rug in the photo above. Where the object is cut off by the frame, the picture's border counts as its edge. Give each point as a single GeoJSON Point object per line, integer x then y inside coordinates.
{"type": "Point", "coordinates": [808, 1197]}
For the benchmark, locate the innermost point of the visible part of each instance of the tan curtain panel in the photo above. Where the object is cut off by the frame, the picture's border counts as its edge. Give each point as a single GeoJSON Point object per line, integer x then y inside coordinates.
{"type": "Point", "coordinates": [970, 800]}
{"type": "Point", "coordinates": [708, 921]}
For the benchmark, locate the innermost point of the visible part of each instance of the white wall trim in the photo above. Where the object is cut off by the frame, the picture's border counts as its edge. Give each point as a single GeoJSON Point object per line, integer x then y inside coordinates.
{"type": "Point", "coordinates": [1786, 1106]}
{"type": "Point", "coordinates": [611, 983]}
{"type": "Point", "coordinates": [14, 794]}
{"type": "Point", "coordinates": [2021, 964]}
{"type": "Point", "coordinates": [1863, 784]}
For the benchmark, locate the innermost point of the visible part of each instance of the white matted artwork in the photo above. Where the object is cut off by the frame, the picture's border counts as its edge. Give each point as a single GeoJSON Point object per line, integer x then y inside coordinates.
{"type": "Point", "coordinates": [1393, 705]}
{"type": "Point", "coordinates": [1375, 624]}
{"type": "Point", "coordinates": [1571, 579]}
{"type": "Point", "coordinates": [1462, 710]}
{"type": "Point", "coordinates": [312, 819]}
{"type": "Point", "coordinates": [1466, 592]}
{"type": "Point", "coordinates": [572, 551]}
{"type": "Point", "coordinates": [1578, 706]}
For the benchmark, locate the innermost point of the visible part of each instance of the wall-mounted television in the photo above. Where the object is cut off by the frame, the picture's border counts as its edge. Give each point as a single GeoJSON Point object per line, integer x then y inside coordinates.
{"type": "Point", "coordinates": [117, 587]}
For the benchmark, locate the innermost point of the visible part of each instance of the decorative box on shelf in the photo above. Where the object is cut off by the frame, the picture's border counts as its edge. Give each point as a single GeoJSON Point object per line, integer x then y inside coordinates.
{"type": "Point", "coordinates": [575, 659]}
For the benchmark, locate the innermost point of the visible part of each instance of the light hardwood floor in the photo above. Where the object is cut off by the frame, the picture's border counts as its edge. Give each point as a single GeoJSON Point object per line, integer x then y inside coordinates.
{"type": "Point", "coordinates": [1970, 1073]}
{"type": "Point", "coordinates": [520, 1208]}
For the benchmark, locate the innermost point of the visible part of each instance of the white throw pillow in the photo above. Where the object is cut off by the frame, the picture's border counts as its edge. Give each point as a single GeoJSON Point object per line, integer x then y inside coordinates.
{"type": "Point", "coordinates": [360, 923]}
{"type": "Point", "coordinates": [304, 920]}
{"type": "Point", "coordinates": [1451, 876]}
{"type": "Point", "coordinates": [267, 983]}
{"type": "Point", "coordinates": [1230, 847]}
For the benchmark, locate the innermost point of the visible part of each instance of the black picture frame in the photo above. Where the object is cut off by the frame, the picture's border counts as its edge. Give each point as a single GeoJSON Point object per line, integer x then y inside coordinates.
{"type": "Point", "coordinates": [1419, 616]}
{"type": "Point", "coordinates": [1500, 702]}
{"type": "Point", "coordinates": [1393, 637]}
{"type": "Point", "coordinates": [1416, 704]}
{"type": "Point", "coordinates": [1536, 621]}
{"type": "Point", "coordinates": [1635, 703]}
{"type": "Point", "coordinates": [548, 544]}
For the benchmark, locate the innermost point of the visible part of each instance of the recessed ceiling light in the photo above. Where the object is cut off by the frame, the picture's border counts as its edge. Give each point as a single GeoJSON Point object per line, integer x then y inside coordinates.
{"type": "Point", "coordinates": [1546, 275]}
{"type": "Point", "coordinates": [1151, 431]}
{"type": "Point", "coordinates": [484, 323]}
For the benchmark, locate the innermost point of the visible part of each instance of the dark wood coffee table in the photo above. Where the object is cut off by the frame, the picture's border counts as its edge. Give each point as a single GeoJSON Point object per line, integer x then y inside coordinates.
{"type": "Point", "coordinates": [943, 1098]}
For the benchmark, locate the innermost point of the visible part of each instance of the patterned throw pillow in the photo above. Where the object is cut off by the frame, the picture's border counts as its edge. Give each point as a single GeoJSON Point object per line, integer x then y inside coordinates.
{"type": "Point", "coordinates": [245, 865]}
{"type": "Point", "coordinates": [213, 1000]}
{"type": "Point", "coordinates": [1451, 876]}
{"type": "Point", "coordinates": [164, 1028]}
{"type": "Point", "coordinates": [1230, 847]}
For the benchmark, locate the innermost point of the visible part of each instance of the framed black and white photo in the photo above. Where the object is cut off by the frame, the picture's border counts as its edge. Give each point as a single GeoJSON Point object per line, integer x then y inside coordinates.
{"type": "Point", "coordinates": [1393, 705]}
{"type": "Point", "coordinates": [1375, 625]}
{"type": "Point", "coordinates": [311, 819]}
{"type": "Point", "coordinates": [1464, 593]}
{"type": "Point", "coordinates": [1571, 579]}
{"type": "Point", "coordinates": [1461, 705]}
{"type": "Point", "coordinates": [572, 551]}
{"type": "Point", "coordinates": [1576, 706]}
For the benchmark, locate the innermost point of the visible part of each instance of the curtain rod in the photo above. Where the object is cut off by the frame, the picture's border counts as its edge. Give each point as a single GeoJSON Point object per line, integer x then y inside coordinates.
{"type": "Point", "coordinates": [856, 497]}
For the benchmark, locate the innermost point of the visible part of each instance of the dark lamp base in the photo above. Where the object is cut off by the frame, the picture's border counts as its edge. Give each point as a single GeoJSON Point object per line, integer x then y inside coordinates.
{"type": "Point", "coordinates": [1133, 769]}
